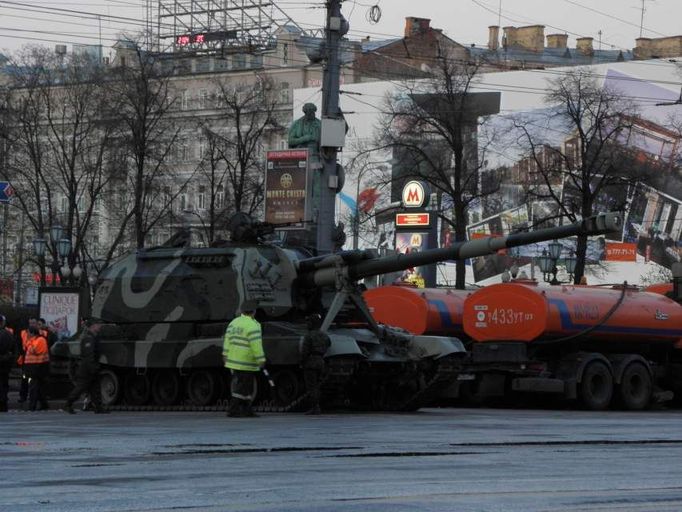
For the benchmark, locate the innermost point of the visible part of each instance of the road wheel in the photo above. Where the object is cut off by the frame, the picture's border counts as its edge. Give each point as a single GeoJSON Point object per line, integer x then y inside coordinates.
{"type": "Point", "coordinates": [287, 388]}
{"type": "Point", "coordinates": [110, 387]}
{"type": "Point", "coordinates": [203, 387]}
{"type": "Point", "coordinates": [166, 388]}
{"type": "Point", "coordinates": [634, 391]}
{"type": "Point", "coordinates": [596, 386]}
{"type": "Point", "coordinates": [137, 389]}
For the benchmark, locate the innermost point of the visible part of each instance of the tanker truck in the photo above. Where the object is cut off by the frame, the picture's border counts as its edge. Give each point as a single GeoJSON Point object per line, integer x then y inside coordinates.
{"type": "Point", "coordinates": [601, 346]}
{"type": "Point", "coordinates": [165, 310]}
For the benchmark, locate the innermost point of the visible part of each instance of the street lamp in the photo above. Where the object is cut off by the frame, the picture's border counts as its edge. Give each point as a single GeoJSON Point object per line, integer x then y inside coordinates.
{"type": "Point", "coordinates": [56, 233]}
{"type": "Point", "coordinates": [62, 247]}
{"type": "Point", "coordinates": [39, 246]}
{"type": "Point", "coordinates": [548, 263]}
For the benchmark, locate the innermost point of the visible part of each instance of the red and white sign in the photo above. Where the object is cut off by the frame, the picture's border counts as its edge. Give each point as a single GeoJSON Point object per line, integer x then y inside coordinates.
{"type": "Point", "coordinates": [621, 251]}
{"type": "Point", "coordinates": [414, 194]}
{"type": "Point", "coordinates": [412, 219]}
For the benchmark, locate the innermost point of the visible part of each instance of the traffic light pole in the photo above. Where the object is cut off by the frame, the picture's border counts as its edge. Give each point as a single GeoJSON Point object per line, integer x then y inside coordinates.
{"type": "Point", "coordinates": [335, 29]}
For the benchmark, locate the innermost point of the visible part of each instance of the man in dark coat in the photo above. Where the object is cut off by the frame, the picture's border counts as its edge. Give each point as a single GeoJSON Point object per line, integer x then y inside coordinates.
{"type": "Point", "coordinates": [7, 357]}
{"type": "Point", "coordinates": [314, 347]}
{"type": "Point", "coordinates": [87, 374]}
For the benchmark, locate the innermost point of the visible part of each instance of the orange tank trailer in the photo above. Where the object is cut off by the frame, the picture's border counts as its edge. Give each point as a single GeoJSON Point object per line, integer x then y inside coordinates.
{"type": "Point", "coordinates": [527, 312]}
{"type": "Point", "coordinates": [418, 310]}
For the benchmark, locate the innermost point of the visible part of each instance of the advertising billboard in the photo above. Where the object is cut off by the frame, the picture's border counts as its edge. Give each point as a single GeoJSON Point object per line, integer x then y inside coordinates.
{"type": "Point", "coordinates": [62, 308]}
{"type": "Point", "coordinates": [286, 190]}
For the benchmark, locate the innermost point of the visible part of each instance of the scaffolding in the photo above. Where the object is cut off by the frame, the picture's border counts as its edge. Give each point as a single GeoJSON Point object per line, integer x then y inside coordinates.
{"type": "Point", "coordinates": [219, 26]}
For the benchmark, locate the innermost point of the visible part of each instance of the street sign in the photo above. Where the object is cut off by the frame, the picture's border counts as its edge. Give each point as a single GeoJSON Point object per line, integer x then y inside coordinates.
{"type": "Point", "coordinates": [415, 194]}
{"type": "Point", "coordinates": [412, 219]}
{"type": "Point", "coordinates": [6, 191]}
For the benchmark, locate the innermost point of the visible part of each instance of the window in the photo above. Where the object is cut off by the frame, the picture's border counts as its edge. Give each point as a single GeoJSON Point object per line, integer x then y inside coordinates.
{"type": "Point", "coordinates": [284, 92]}
{"type": "Point", "coordinates": [239, 61]}
{"type": "Point", "coordinates": [185, 100]}
{"type": "Point", "coordinates": [202, 97]}
{"type": "Point", "coordinates": [201, 198]}
{"type": "Point", "coordinates": [285, 54]}
{"type": "Point", "coordinates": [220, 197]}
{"type": "Point", "coordinates": [183, 200]}
{"type": "Point", "coordinates": [202, 148]}
{"type": "Point", "coordinates": [63, 203]}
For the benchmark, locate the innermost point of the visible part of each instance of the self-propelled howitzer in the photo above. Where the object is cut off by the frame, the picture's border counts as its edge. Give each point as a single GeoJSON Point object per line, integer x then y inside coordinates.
{"type": "Point", "coordinates": [166, 309]}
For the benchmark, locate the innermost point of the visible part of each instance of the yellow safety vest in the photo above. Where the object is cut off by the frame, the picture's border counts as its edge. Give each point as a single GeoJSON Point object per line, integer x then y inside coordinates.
{"type": "Point", "coordinates": [243, 345]}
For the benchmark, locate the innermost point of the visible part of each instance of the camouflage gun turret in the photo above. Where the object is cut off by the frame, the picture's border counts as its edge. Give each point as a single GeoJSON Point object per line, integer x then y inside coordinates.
{"type": "Point", "coordinates": [167, 308]}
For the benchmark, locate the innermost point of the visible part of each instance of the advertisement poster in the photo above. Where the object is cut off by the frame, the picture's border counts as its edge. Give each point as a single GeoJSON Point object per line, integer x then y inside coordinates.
{"type": "Point", "coordinates": [61, 309]}
{"type": "Point", "coordinates": [286, 187]}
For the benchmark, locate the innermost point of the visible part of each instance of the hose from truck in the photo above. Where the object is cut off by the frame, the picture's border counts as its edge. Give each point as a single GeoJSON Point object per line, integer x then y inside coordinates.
{"type": "Point", "coordinates": [588, 330]}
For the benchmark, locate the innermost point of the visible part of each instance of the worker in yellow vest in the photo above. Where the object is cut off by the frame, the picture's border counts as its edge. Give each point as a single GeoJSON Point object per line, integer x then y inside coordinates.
{"type": "Point", "coordinates": [243, 355]}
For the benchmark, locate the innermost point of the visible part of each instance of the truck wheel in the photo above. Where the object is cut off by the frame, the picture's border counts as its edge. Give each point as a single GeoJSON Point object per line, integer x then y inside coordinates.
{"type": "Point", "coordinates": [166, 387]}
{"type": "Point", "coordinates": [596, 386]}
{"type": "Point", "coordinates": [635, 389]}
{"type": "Point", "coordinates": [137, 390]}
{"type": "Point", "coordinates": [203, 387]}
{"type": "Point", "coordinates": [110, 387]}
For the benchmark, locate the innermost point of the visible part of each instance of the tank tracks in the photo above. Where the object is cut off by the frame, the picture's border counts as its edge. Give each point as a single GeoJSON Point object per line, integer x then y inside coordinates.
{"type": "Point", "coordinates": [220, 406]}
{"type": "Point", "coordinates": [446, 372]}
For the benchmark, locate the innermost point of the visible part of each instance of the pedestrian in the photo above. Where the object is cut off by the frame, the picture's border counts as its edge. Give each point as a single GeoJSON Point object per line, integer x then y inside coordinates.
{"type": "Point", "coordinates": [243, 355]}
{"type": "Point", "coordinates": [7, 358]}
{"type": "Point", "coordinates": [314, 347]}
{"type": "Point", "coordinates": [21, 349]}
{"type": "Point", "coordinates": [37, 368]}
{"type": "Point", "coordinates": [87, 373]}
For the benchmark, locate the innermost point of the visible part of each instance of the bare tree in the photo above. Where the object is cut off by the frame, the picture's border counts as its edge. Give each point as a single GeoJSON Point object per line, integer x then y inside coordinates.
{"type": "Point", "coordinates": [81, 131]}
{"type": "Point", "coordinates": [431, 126]}
{"type": "Point", "coordinates": [142, 88]}
{"type": "Point", "coordinates": [589, 169]}
{"type": "Point", "coordinates": [247, 123]}
{"type": "Point", "coordinates": [212, 174]}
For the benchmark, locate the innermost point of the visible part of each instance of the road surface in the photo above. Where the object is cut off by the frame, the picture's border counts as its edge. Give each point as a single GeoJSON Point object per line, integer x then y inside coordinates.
{"type": "Point", "coordinates": [433, 460]}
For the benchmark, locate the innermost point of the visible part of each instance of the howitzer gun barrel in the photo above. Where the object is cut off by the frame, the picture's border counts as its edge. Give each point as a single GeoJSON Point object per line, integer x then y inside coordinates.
{"type": "Point", "coordinates": [359, 264]}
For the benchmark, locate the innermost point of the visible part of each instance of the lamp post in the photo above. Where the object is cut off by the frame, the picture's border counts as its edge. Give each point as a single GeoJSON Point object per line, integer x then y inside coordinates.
{"type": "Point", "coordinates": [61, 248]}
{"type": "Point", "coordinates": [548, 262]}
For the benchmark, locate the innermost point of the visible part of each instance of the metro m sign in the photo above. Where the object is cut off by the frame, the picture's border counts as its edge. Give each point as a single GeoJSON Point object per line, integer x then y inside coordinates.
{"type": "Point", "coordinates": [415, 194]}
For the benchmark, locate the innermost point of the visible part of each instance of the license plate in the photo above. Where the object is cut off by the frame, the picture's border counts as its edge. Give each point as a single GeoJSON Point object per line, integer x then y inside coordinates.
{"type": "Point", "coordinates": [466, 376]}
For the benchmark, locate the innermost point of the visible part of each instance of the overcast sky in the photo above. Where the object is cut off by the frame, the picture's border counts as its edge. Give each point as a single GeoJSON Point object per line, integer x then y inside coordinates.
{"type": "Point", "coordinates": [465, 21]}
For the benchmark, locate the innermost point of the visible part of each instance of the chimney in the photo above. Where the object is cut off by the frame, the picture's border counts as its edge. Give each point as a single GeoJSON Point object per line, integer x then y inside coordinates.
{"type": "Point", "coordinates": [508, 37]}
{"type": "Point", "coordinates": [416, 26]}
{"type": "Point", "coordinates": [584, 45]}
{"type": "Point", "coordinates": [557, 40]}
{"type": "Point", "coordinates": [642, 48]}
{"type": "Point", "coordinates": [531, 38]}
{"type": "Point", "coordinates": [493, 37]}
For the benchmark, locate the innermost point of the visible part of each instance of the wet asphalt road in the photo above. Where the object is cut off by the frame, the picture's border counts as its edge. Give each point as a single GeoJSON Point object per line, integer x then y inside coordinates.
{"type": "Point", "coordinates": [434, 460]}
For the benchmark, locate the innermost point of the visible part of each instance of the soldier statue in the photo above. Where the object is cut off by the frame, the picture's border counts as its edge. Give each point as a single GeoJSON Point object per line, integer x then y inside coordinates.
{"type": "Point", "coordinates": [305, 132]}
